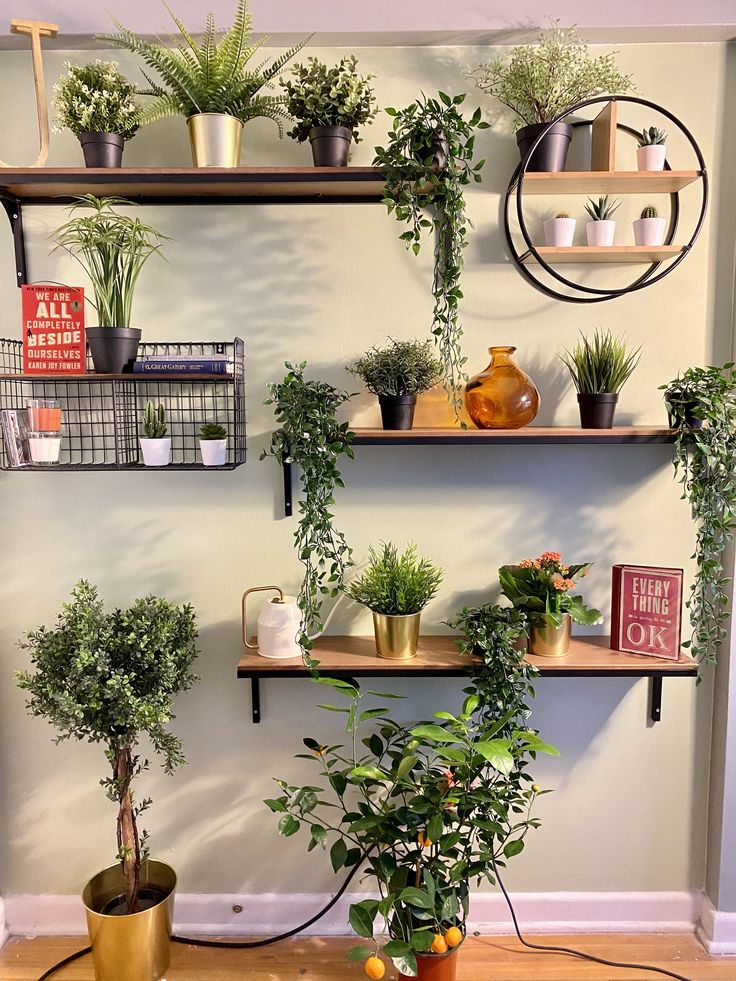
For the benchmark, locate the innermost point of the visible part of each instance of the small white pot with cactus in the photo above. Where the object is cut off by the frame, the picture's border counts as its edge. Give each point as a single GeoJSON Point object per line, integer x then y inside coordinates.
{"type": "Point", "coordinates": [560, 230]}
{"type": "Point", "coordinates": [650, 228]}
{"type": "Point", "coordinates": [652, 150]}
{"type": "Point", "coordinates": [155, 444]}
{"type": "Point", "coordinates": [601, 229]}
{"type": "Point", "coordinates": [213, 444]}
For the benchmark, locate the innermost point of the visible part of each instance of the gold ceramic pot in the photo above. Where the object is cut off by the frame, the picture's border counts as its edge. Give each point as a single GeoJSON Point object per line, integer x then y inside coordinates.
{"type": "Point", "coordinates": [548, 641]}
{"type": "Point", "coordinates": [215, 139]}
{"type": "Point", "coordinates": [397, 638]}
{"type": "Point", "coordinates": [131, 947]}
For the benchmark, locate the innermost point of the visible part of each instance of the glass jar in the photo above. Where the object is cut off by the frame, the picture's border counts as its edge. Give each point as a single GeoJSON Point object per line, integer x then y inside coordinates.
{"type": "Point", "coordinates": [502, 396]}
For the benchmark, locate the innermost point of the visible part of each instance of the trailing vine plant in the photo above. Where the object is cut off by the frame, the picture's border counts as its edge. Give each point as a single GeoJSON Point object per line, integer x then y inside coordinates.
{"type": "Point", "coordinates": [702, 410]}
{"type": "Point", "coordinates": [311, 438]}
{"type": "Point", "coordinates": [427, 162]}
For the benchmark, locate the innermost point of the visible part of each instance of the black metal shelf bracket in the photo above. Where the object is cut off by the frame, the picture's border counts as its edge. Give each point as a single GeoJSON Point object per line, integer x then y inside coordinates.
{"type": "Point", "coordinates": [14, 212]}
{"type": "Point", "coordinates": [288, 476]}
{"type": "Point", "coordinates": [655, 698]}
{"type": "Point", "coordinates": [255, 699]}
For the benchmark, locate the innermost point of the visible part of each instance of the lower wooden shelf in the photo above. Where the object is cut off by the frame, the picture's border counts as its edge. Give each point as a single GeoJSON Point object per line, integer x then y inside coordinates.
{"type": "Point", "coordinates": [604, 253]}
{"type": "Point", "coordinates": [355, 657]}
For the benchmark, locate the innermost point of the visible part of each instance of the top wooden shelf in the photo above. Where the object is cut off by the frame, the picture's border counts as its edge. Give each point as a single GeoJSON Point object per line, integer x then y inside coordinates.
{"type": "Point", "coordinates": [528, 435]}
{"type": "Point", "coordinates": [609, 182]}
{"type": "Point", "coordinates": [192, 185]}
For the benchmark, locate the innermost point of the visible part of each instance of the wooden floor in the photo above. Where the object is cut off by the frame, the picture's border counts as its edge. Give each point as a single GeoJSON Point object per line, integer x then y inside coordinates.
{"type": "Point", "coordinates": [316, 959]}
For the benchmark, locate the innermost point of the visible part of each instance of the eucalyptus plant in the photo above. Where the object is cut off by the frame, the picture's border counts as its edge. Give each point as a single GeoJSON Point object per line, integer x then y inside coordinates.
{"type": "Point", "coordinates": [702, 408]}
{"type": "Point", "coordinates": [399, 368]}
{"type": "Point", "coordinates": [111, 678]}
{"type": "Point", "coordinates": [428, 162]}
{"type": "Point", "coordinates": [318, 95]}
{"type": "Point", "coordinates": [310, 437]}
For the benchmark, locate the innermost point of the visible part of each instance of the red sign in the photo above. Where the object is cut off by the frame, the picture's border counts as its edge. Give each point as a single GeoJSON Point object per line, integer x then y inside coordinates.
{"type": "Point", "coordinates": [646, 614]}
{"type": "Point", "coordinates": [53, 330]}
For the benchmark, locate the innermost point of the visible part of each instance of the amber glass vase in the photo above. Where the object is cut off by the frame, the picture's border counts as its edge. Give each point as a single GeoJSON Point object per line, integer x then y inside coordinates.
{"type": "Point", "coordinates": [502, 396]}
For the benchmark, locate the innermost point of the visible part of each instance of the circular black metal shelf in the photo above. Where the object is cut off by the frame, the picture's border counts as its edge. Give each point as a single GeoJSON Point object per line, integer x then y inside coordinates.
{"type": "Point", "coordinates": [593, 294]}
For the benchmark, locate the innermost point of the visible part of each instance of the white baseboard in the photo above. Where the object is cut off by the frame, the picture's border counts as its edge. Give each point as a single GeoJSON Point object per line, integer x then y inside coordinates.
{"type": "Point", "coordinates": [564, 912]}
{"type": "Point", "coordinates": [716, 930]}
{"type": "Point", "coordinates": [4, 934]}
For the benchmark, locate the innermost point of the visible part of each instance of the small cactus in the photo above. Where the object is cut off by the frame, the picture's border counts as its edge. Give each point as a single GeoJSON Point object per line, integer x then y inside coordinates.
{"type": "Point", "coordinates": [212, 430]}
{"type": "Point", "coordinates": [602, 209]}
{"type": "Point", "coordinates": [154, 421]}
{"type": "Point", "coordinates": [649, 212]}
{"type": "Point", "coordinates": [650, 136]}
{"type": "Point", "coordinates": [562, 214]}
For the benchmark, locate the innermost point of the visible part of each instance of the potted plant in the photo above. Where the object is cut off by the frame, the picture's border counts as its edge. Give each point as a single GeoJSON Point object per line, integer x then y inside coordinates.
{"type": "Point", "coordinates": [599, 369]}
{"type": "Point", "coordinates": [540, 82]}
{"type": "Point", "coordinates": [560, 230]}
{"type": "Point", "coordinates": [210, 83]}
{"type": "Point", "coordinates": [652, 151]}
{"type": "Point", "coordinates": [702, 407]}
{"type": "Point", "coordinates": [97, 103]}
{"type": "Point", "coordinates": [541, 588]}
{"type": "Point", "coordinates": [427, 163]}
{"type": "Point", "coordinates": [396, 588]}
{"type": "Point", "coordinates": [328, 105]}
{"type": "Point", "coordinates": [600, 229]}
{"type": "Point", "coordinates": [112, 248]}
{"type": "Point", "coordinates": [110, 679]}
{"type": "Point", "coordinates": [430, 809]}
{"type": "Point", "coordinates": [397, 374]}
{"type": "Point", "coordinates": [213, 444]}
{"type": "Point", "coordinates": [310, 437]}
{"type": "Point", "coordinates": [649, 228]}
{"type": "Point", "coordinates": [155, 444]}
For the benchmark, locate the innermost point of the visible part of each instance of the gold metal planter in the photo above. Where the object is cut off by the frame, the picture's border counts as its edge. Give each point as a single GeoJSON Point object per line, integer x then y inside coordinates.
{"type": "Point", "coordinates": [397, 638]}
{"type": "Point", "coordinates": [130, 947]}
{"type": "Point", "coordinates": [548, 641]}
{"type": "Point", "coordinates": [215, 139]}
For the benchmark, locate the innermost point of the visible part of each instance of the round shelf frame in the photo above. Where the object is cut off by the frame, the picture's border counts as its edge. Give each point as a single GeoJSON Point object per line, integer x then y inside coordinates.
{"type": "Point", "coordinates": [650, 276]}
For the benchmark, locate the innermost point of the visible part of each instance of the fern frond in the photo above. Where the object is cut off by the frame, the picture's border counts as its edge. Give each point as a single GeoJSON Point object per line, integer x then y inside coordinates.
{"type": "Point", "coordinates": [234, 42]}
{"type": "Point", "coordinates": [165, 105]}
{"type": "Point", "coordinates": [275, 67]}
{"type": "Point", "coordinates": [183, 31]}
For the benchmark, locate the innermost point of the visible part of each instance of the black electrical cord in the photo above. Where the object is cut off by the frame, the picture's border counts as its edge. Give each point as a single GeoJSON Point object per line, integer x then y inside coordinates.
{"type": "Point", "coordinates": [577, 953]}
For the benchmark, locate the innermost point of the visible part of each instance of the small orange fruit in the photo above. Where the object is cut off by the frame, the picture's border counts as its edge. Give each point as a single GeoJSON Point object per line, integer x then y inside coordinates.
{"type": "Point", "coordinates": [439, 944]}
{"type": "Point", "coordinates": [453, 936]}
{"type": "Point", "coordinates": [374, 968]}
{"type": "Point", "coordinates": [423, 840]}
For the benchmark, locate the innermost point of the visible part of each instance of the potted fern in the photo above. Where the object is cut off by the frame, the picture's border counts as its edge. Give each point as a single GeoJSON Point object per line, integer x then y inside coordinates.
{"type": "Point", "coordinates": [652, 149]}
{"type": "Point", "coordinates": [110, 679]}
{"type": "Point", "coordinates": [599, 369]}
{"type": "Point", "coordinates": [213, 444]}
{"type": "Point", "coordinates": [396, 588]}
{"type": "Point", "coordinates": [328, 105]}
{"type": "Point", "coordinates": [209, 82]}
{"type": "Point", "coordinates": [560, 230]}
{"type": "Point", "coordinates": [649, 228]}
{"type": "Point", "coordinates": [600, 230]}
{"type": "Point", "coordinates": [97, 103]}
{"type": "Point", "coordinates": [155, 444]}
{"type": "Point", "coordinates": [397, 374]}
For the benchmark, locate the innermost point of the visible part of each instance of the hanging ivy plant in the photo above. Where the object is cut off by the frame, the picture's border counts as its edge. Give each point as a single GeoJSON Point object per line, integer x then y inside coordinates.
{"type": "Point", "coordinates": [702, 410]}
{"type": "Point", "coordinates": [427, 163]}
{"type": "Point", "coordinates": [311, 438]}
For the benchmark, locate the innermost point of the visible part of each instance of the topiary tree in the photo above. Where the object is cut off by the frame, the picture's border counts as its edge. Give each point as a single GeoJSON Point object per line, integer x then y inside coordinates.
{"type": "Point", "coordinates": [110, 678]}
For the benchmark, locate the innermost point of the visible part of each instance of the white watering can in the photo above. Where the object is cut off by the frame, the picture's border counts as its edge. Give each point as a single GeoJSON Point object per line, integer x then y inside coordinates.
{"type": "Point", "coordinates": [278, 625]}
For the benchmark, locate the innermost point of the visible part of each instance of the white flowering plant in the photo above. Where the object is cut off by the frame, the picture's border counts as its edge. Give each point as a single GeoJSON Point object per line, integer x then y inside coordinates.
{"type": "Point", "coordinates": [96, 98]}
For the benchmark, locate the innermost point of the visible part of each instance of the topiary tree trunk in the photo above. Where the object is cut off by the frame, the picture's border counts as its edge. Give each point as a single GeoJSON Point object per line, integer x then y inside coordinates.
{"type": "Point", "coordinates": [129, 849]}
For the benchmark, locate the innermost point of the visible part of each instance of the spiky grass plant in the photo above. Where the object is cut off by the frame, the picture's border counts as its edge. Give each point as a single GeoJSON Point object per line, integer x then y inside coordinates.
{"type": "Point", "coordinates": [396, 584]}
{"type": "Point", "coordinates": [601, 364]}
{"type": "Point", "coordinates": [399, 368]}
{"type": "Point", "coordinates": [210, 75]}
{"type": "Point", "coordinates": [112, 248]}
{"type": "Point", "coordinates": [154, 421]}
{"type": "Point", "coordinates": [602, 209]}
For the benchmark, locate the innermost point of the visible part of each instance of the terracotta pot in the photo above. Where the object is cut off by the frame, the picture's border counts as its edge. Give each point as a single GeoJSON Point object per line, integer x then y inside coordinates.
{"type": "Point", "coordinates": [434, 967]}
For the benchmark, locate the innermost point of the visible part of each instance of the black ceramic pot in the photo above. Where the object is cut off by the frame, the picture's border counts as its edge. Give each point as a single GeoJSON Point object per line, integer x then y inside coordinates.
{"type": "Point", "coordinates": [330, 145]}
{"type": "Point", "coordinates": [397, 411]}
{"type": "Point", "coordinates": [551, 154]}
{"type": "Point", "coordinates": [597, 411]}
{"type": "Point", "coordinates": [113, 349]}
{"type": "Point", "coordinates": [688, 411]}
{"type": "Point", "coordinates": [102, 149]}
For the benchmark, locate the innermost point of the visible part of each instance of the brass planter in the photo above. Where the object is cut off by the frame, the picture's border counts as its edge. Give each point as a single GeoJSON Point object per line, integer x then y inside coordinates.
{"type": "Point", "coordinates": [548, 641]}
{"type": "Point", "coordinates": [130, 947]}
{"type": "Point", "coordinates": [215, 139]}
{"type": "Point", "coordinates": [397, 638]}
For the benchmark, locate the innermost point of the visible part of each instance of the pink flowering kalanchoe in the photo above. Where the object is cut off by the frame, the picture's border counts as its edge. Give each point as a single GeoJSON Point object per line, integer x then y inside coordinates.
{"type": "Point", "coordinates": [541, 588]}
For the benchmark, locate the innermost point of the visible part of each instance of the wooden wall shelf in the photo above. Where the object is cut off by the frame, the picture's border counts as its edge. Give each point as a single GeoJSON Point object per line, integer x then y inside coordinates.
{"type": "Point", "coordinates": [609, 182]}
{"type": "Point", "coordinates": [355, 657]}
{"type": "Point", "coordinates": [644, 254]}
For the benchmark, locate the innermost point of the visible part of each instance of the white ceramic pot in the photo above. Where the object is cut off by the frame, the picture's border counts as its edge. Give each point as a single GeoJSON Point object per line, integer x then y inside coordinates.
{"type": "Point", "coordinates": [649, 231]}
{"type": "Point", "coordinates": [214, 452]}
{"type": "Point", "coordinates": [600, 232]}
{"type": "Point", "coordinates": [44, 448]}
{"type": "Point", "coordinates": [651, 157]}
{"type": "Point", "coordinates": [156, 452]}
{"type": "Point", "coordinates": [559, 231]}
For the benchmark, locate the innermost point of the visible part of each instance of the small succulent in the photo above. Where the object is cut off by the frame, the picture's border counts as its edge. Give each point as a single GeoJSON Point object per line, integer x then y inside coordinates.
{"type": "Point", "coordinates": [649, 212]}
{"type": "Point", "coordinates": [602, 209]}
{"type": "Point", "coordinates": [154, 421]}
{"type": "Point", "coordinates": [563, 214]}
{"type": "Point", "coordinates": [651, 136]}
{"type": "Point", "coordinates": [212, 430]}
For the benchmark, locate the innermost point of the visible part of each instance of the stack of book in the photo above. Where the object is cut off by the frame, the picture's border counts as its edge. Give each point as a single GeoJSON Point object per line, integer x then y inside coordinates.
{"type": "Point", "coordinates": [184, 364]}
